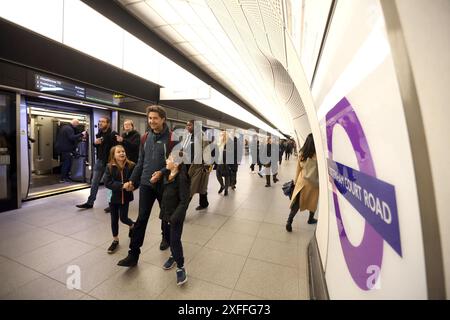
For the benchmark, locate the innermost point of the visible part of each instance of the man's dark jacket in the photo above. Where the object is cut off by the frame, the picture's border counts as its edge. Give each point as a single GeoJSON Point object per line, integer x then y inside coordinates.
{"type": "Point", "coordinates": [109, 141]}
{"type": "Point", "coordinates": [67, 139]}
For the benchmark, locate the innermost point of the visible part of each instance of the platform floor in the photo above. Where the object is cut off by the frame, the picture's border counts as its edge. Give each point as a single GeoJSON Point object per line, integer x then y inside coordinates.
{"type": "Point", "coordinates": [49, 183]}
{"type": "Point", "coordinates": [236, 249]}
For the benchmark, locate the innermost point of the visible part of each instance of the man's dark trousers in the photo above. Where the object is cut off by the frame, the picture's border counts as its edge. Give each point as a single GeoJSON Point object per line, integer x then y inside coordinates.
{"type": "Point", "coordinates": [147, 197]}
{"type": "Point", "coordinates": [66, 162]}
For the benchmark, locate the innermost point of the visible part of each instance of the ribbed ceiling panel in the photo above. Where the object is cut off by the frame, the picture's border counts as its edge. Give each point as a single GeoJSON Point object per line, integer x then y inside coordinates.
{"type": "Point", "coordinates": [241, 43]}
{"type": "Point", "coordinates": [273, 25]}
{"type": "Point", "coordinates": [255, 22]}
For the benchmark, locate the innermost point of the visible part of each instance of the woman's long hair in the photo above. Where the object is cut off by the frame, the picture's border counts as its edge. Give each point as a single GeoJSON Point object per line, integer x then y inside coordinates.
{"type": "Point", "coordinates": [223, 138]}
{"type": "Point", "coordinates": [308, 150]}
{"type": "Point", "coordinates": [112, 160]}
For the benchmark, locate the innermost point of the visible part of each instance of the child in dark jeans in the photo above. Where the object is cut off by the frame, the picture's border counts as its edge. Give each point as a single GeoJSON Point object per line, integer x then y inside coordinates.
{"type": "Point", "coordinates": [175, 201]}
{"type": "Point", "coordinates": [118, 171]}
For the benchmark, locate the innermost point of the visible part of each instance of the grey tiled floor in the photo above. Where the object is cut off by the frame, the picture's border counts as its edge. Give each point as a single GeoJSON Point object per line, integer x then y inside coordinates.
{"type": "Point", "coordinates": [236, 249]}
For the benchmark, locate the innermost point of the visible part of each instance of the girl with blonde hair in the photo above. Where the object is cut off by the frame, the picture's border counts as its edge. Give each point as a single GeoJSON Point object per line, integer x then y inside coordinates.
{"type": "Point", "coordinates": [117, 173]}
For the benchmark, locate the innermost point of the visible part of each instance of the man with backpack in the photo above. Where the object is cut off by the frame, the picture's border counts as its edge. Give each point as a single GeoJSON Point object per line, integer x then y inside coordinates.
{"type": "Point", "coordinates": [155, 148]}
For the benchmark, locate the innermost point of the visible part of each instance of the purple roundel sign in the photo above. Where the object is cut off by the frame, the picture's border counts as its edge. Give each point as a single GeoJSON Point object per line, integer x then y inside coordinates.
{"type": "Point", "coordinates": [369, 253]}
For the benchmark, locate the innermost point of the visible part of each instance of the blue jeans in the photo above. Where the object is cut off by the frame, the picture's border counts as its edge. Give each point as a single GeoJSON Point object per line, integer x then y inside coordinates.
{"type": "Point", "coordinates": [99, 170]}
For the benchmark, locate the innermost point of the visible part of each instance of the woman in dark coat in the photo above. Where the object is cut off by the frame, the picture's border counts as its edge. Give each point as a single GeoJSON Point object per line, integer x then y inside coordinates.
{"type": "Point", "coordinates": [131, 140]}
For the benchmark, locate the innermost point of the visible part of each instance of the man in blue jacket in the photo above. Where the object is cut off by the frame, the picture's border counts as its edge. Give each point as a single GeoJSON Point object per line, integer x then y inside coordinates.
{"type": "Point", "coordinates": [65, 144]}
{"type": "Point", "coordinates": [148, 175]}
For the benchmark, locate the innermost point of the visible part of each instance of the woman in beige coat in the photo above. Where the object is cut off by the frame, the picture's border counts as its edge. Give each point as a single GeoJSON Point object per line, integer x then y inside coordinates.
{"type": "Point", "coordinates": [306, 191]}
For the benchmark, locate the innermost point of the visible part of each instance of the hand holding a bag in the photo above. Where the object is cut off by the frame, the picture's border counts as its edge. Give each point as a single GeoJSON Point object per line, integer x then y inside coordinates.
{"type": "Point", "coordinates": [288, 188]}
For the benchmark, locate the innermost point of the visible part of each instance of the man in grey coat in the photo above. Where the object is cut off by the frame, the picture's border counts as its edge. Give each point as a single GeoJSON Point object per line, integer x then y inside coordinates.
{"type": "Point", "coordinates": [198, 172]}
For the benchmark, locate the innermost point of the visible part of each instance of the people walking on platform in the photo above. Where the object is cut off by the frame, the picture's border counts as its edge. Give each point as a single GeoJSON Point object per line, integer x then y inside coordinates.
{"type": "Point", "coordinates": [198, 171]}
{"type": "Point", "coordinates": [174, 204]}
{"type": "Point", "coordinates": [282, 149]}
{"type": "Point", "coordinates": [238, 149]}
{"type": "Point", "coordinates": [223, 172]}
{"type": "Point", "coordinates": [117, 174]}
{"type": "Point", "coordinates": [147, 175]}
{"type": "Point", "coordinates": [254, 153]}
{"type": "Point", "coordinates": [66, 142]}
{"type": "Point", "coordinates": [271, 164]}
{"type": "Point", "coordinates": [289, 149]}
{"type": "Point", "coordinates": [306, 192]}
{"type": "Point", "coordinates": [105, 140]}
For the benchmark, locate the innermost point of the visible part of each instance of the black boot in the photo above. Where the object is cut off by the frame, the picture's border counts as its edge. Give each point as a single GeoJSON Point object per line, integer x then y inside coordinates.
{"type": "Point", "coordinates": [291, 219]}
{"type": "Point", "coordinates": [203, 202]}
{"type": "Point", "coordinates": [289, 222]}
{"type": "Point", "coordinates": [129, 261]}
{"type": "Point", "coordinates": [275, 179]}
{"type": "Point", "coordinates": [289, 227]}
{"type": "Point", "coordinates": [311, 219]}
{"type": "Point", "coordinates": [267, 181]}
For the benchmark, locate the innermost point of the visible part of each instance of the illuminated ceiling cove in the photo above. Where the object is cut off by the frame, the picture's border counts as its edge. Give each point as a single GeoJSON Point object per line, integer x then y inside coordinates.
{"type": "Point", "coordinates": [242, 44]}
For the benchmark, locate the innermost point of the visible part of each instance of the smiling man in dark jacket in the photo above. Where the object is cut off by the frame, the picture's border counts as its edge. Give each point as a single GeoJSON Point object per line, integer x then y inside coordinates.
{"type": "Point", "coordinates": [148, 175]}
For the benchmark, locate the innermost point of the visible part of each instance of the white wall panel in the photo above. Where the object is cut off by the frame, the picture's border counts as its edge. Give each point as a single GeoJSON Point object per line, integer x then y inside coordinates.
{"type": "Point", "coordinates": [357, 65]}
{"type": "Point", "coordinates": [426, 28]}
{"type": "Point", "coordinates": [315, 15]}
{"type": "Point", "coordinates": [88, 31]}
{"type": "Point", "coordinates": [140, 59]}
{"type": "Point", "coordinates": [44, 16]}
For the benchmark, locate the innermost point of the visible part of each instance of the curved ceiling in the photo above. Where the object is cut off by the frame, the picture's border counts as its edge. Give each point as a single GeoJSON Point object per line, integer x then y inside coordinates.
{"type": "Point", "coordinates": [242, 44]}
